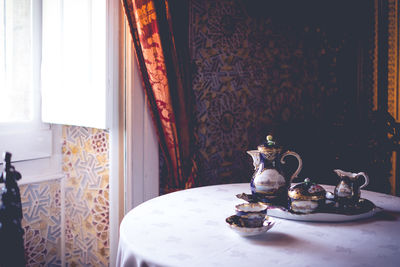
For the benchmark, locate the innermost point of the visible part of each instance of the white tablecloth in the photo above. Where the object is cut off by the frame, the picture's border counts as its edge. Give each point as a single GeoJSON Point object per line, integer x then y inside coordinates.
{"type": "Point", "coordinates": [188, 228]}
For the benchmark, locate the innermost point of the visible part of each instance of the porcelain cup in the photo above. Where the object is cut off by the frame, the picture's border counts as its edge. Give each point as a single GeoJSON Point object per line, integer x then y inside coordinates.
{"type": "Point", "coordinates": [251, 214]}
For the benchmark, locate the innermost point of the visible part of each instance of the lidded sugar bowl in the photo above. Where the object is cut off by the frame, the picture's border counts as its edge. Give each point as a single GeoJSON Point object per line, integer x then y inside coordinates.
{"type": "Point", "coordinates": [306, 197]}
{"type": "Point", "coordinates": [269, 183]}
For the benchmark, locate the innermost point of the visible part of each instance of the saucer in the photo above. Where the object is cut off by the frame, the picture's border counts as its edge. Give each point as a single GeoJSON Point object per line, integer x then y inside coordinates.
{"type": "Point", "coordinates": [234, 223]}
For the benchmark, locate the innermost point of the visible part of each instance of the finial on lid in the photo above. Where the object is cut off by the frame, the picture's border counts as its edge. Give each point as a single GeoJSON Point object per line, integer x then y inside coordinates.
{"type": "Point", "coordinates": [269, 140]}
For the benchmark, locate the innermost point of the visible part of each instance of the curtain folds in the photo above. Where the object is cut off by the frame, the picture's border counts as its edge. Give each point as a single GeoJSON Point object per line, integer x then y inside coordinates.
{"type": "Point", "coordinates": [160, 36]}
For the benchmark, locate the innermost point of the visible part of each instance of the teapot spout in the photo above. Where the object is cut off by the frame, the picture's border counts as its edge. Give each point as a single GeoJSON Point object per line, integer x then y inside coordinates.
{"type": "Point", "coordinates": [255, 154]}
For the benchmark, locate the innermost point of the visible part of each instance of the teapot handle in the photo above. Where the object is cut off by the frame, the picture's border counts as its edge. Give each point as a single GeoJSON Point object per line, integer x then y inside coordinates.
{"type": "Point", "coordinates": [294, 154]}
{"type": "Point", "coordinates": [365, 177]}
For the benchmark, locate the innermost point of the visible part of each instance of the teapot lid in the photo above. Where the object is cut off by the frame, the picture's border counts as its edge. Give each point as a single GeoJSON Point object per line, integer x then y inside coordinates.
{"type": "Point", "coordinates": [269, 145]}
{"type": "Point", "coordinates": [307, 190]}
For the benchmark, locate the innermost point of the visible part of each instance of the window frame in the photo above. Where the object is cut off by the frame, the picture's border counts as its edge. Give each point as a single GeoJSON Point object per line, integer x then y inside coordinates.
{"type": "Point", "coordinates": [31, 143]}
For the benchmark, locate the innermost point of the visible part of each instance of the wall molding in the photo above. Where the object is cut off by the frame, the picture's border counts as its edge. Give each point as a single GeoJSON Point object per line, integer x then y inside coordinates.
{"type": "Point", "coordinates": [393, 59]}
{"type": "Point", "coordinates": [393, 101]}
{"type": "Point", "coordinates": [36, 179]}
{"type": "Point", "coordinates": [114, 37]}
{"type": "Point", "coordinates": [141, 144]}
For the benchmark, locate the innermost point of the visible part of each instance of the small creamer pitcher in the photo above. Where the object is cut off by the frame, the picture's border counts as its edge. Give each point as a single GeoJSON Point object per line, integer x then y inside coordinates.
{"type": "Point", "coordinates": [347, 191]}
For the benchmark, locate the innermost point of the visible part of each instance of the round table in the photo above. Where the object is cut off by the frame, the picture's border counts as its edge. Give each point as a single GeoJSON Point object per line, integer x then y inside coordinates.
{"type": "Point", "coordinates": [188, 228]}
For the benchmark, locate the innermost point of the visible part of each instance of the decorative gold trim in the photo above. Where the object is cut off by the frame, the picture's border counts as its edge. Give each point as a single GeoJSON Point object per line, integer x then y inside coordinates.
{"type": "Point", "coordinates": [393, 75]}
{"type": "Point", "coordinates": [393, 64]}
{"type": "Point", "coordinates": [269, 152]}
{"type": "Point", "coordinates": [297, 196]}
{"type": "Point", "coordinates": [257, 207]}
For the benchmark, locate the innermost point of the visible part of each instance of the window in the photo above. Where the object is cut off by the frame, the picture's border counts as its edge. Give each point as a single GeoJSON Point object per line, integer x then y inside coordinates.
{"type": "Point", "coordinates": [53, 68]}
{"type": "Point", "coordinates": [16, 59]}
{"type": "Point", "coordinates": [73, 62]}
{"type": "Point", "coordinates": [21, 129]}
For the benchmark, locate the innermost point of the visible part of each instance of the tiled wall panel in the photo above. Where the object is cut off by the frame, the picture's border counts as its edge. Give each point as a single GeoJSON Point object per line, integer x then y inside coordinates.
{"type": "Point", "coordinates": [85, 203]}
{"type": "Point", "coordinates": [86, 166]}
{"type": "Point", "coordinates": [41, 206]}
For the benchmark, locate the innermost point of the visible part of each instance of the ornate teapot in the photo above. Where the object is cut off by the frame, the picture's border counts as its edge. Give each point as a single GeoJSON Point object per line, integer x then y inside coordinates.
{"type": "Point", "coordinates": [347, 191]}
{"type": "Point", "coordinates": [269, 183]}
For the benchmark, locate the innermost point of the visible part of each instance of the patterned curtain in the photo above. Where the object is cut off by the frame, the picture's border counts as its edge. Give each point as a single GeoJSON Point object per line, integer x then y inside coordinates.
{"type": "Point", "coordinates": [159, 31]}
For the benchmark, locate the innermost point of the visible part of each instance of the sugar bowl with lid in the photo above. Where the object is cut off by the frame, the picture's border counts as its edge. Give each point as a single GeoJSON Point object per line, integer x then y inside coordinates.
{"type": "Point", "coordinates": [306, 197]}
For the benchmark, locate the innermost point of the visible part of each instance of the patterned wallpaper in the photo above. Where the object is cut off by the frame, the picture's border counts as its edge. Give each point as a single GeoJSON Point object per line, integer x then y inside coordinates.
{"type": "Point", "coordinates": [85, 203]}
{"type": "Point", "coordinates": [258, 66]}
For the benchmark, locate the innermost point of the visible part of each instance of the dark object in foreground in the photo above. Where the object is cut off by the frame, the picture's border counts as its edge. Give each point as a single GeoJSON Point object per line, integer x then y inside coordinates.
{"type": "Point", "coordinates": [12, 252]}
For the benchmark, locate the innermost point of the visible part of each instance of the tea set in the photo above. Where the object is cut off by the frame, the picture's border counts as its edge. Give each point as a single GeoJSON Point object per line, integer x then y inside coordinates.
{"type": "Point", "coordinates": [271, 188]}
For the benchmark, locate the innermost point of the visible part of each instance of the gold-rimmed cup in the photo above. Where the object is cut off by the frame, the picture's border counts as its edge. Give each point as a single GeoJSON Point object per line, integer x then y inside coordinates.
{"type": "Point", "coordinates": [251, 214]}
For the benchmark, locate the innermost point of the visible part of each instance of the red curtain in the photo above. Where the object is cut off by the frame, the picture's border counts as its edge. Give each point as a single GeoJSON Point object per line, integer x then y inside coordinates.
{"type": "Point", "coordinates": [159, 33]}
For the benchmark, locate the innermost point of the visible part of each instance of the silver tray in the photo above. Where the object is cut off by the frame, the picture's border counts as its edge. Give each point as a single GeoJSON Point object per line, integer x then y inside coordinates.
{"type": "Point", "coordinates": [279, 212]}
{"type": "Point", "coordinates": [364, 209]}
